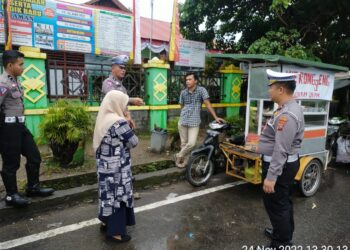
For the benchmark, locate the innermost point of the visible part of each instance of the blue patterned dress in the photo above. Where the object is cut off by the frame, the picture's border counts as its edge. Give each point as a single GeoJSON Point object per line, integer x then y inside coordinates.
{"type": "Point", "coordinates": [115, 177]}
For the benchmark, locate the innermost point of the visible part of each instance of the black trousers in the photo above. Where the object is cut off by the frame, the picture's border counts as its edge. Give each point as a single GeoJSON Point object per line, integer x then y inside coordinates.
{"type": "Point", "coordinates": [16, 140]}
{"type": "Point", "coordinates": [278, 205]}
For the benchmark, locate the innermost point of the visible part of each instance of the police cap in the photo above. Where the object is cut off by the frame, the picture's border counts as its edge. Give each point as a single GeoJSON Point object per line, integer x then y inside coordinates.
{"type": "Point", "coordinates": [120, 60]}
{"type": "Point", "coordinates": [275, 77]}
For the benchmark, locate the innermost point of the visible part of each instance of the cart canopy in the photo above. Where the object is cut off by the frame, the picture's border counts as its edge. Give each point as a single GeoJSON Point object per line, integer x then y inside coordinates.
{"type": "Point", "coordinates": [258, 58]}
{"type": "Point", "coordinates": [315, 79]}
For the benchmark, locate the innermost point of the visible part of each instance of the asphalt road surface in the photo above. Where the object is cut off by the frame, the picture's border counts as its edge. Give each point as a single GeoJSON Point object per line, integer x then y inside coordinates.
{"type": "Point", "coordinates": [225, 214]}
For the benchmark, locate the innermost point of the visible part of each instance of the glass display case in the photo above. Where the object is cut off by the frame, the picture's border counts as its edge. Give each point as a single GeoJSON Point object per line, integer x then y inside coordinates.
{"type": "Point", "coordinates": [315, 113]}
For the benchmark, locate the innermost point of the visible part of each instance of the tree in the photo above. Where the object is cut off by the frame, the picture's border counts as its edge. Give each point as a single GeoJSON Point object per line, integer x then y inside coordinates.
{"type": "Point", "coordinates": [223, 19]}
{"type": "Point", "coordinates": [323, 26]}
{"type": "Point", "coordinates": [282, 42]}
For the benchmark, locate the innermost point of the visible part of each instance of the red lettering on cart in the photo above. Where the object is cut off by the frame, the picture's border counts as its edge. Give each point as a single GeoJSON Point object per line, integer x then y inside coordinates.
{"type": "Point", "coordinates": [314, 95]}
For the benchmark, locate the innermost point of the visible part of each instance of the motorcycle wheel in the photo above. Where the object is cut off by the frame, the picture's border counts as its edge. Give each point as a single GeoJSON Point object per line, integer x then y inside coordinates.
{"type": "Point", "coordinates": [311, 178]}
{"type": "Point", "coordinates": [195, 173]}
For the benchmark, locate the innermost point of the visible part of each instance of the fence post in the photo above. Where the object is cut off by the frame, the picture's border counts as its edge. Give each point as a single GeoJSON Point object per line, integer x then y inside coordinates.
{"type": "Point", "coordinates": [157, 92]}
{"type": "Point", "coordinates": [232, 88]}
{"type": "Point", "coordinates": [33, 80]}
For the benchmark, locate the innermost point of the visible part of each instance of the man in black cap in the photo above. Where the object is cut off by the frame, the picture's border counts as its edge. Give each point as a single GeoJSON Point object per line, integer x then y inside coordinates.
{"type": "Point", "coordinates": [279, 145]}
{"type": "Point", "coordinates": [114, 82]}
{"type": "Point", "coordinates": [15, 138]}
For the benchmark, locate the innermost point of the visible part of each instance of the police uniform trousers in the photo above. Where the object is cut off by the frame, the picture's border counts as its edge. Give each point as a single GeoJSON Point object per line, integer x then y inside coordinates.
{"type": "Point", "coordinates": [120, 218]}
{"type": "Point", "coordinates": [278, 205]}
{"type": "Point", "coordinates": [16, 140]}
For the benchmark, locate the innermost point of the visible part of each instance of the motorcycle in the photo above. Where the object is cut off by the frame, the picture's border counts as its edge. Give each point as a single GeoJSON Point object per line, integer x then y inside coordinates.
{"type": "Point", "coordinates": [208, 157]}
{"type": "Point", "coordinates": [332, 136]}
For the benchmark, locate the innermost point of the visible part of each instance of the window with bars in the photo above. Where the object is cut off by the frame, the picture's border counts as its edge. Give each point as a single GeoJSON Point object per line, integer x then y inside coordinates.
{"type": "Point", "coordinates": [66, 77]}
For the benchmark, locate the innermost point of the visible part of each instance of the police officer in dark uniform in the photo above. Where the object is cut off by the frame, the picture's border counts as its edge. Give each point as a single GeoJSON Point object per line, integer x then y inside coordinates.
{"type": "Point", "coordinates": [115, 82]}
{"type": "Point", "coordinates": [279, 145]}
{"type": "Point", "coordinates": [15, 138]}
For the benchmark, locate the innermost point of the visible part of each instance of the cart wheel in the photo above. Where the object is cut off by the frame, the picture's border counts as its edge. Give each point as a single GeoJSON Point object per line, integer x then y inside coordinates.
{"type": "Point", "coordinates": [196, 173]}
{"type": "Point", "coordinates": [311, 178]}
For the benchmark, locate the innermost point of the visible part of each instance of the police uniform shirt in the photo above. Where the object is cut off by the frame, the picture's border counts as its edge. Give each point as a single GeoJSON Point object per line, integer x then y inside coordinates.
{"type": "Point", "coordinates": [11, 96]}
{"type": "Point", "coordinates": [111, 83]}
{"type": "Point", "coordinates": [282, 136]}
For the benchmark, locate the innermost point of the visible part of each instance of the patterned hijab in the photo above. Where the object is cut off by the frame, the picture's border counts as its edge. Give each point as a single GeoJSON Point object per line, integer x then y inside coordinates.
{"type": "Point", "coordinates": [111, 110]}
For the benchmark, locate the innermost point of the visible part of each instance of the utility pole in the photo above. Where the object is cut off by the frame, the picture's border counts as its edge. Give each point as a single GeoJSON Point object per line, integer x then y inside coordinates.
{"type": "Point", "coordinates": [150, 43]}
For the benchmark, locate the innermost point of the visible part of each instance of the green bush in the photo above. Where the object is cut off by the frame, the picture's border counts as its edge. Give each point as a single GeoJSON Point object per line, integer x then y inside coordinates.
{"type": "Point", "coordinates": [172, 126]}
{"type": "Point", "coordinates": [66, 126]}
{"type": "Point", "coordinates": [66, 121]}
{"type": "Point", "coordinates": [173, 133]}
{"type": "Point", "coordinates": [237, 123]}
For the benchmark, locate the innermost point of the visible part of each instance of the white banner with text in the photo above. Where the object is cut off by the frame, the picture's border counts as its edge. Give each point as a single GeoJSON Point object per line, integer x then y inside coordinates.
{"type": "Point", "coordinates": [312, 83]}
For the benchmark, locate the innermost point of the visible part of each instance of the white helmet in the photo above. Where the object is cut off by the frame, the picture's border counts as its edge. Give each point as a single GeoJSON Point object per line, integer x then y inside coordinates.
{"type": "Point", "coordinates": [216, 125]}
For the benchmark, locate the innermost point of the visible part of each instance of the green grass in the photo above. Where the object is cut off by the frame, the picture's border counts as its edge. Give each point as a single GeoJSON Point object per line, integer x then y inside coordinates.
{"type": "Point", "coordinates": [156, 166]}
{"type": "Point", "coordinates": [50, 166]}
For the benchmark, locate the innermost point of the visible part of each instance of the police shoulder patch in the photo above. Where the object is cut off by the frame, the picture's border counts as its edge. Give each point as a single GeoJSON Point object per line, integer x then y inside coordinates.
{"type": "Point", "coordinates": [282, 121]}
{"type": "Point", "coordinates": [3, 90]}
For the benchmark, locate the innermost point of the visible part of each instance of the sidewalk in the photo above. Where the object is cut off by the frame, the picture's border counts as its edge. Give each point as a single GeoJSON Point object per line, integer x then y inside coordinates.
{"type": "Point", "coordinates": [79, 184]}
{"type": "Point", "coordinates": [140, 155]}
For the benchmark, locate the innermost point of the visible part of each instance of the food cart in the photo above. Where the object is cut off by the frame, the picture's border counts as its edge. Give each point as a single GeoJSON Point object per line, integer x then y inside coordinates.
{"type": "Point", "coordinates": [315, 83]}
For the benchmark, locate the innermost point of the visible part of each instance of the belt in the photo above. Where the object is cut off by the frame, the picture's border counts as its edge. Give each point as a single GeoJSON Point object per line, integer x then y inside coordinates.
{"type": "Point", "coordinates": [14, 119]}
{"type": "Point", "coordinates": [291, 158]}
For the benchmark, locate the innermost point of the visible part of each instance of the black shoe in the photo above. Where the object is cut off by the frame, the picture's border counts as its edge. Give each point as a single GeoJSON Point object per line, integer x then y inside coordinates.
{"type": "Point", "coordinates": [125, 238]}
{"type": "Point", "coordinates": [16, 200]}
{"type": "Point", "coordinates": [269, 233]}
{"type": "Point", "coordinates": [36, 190]}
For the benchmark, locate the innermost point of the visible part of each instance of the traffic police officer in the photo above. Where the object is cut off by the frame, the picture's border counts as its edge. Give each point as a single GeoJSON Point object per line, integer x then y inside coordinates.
{"type": "Point", "coordinates": [15, 138]}
{"type": "Point", "coordinates": [279, 145]}
{"type": "Point", "coordinates": [114, 82]}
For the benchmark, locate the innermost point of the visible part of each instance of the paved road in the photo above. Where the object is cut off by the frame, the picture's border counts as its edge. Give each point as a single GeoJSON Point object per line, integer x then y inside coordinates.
{"type": "Point", "coordinates": [183, 217]}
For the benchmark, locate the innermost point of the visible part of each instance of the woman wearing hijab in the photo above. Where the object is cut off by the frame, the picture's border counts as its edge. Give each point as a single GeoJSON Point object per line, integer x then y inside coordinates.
{"type": "Point", "coordinates": [113, 139]}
